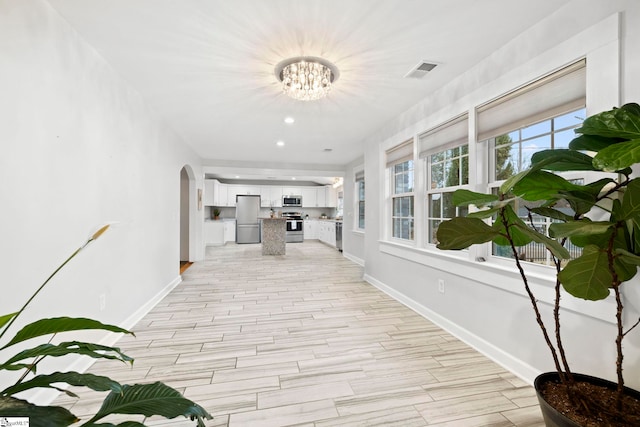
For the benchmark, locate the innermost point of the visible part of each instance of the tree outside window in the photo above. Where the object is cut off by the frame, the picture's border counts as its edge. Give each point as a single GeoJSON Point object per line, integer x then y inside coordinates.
{"type": "Point", "coordinates": [512, 153]}
{"type": "Point", "coordinates": [448, 170]}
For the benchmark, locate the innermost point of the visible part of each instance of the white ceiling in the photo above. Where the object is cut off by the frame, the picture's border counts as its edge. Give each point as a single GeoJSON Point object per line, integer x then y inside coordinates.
{"type": "Point", "coordinates": [207, 66]}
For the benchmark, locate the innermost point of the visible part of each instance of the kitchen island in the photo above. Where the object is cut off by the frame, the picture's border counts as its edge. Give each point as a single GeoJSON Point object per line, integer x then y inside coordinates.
{"type": "Point", "coordinates": [274, 232]}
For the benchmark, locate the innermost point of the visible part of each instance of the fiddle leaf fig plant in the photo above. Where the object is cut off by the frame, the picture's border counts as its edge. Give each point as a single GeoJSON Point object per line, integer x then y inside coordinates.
{"type": "Point", "coordinates": [600, 216]}
{"type": "Point", "coordinates": [145, 399]}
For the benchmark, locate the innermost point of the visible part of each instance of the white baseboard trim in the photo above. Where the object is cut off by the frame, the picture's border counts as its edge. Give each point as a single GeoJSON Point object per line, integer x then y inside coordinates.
{"type": "Point", "coordinates": [137, 316]}
{"type": "Point", "coordinates": [355, 259]}
{"type": "Point", "coordinates": [519, 368]}
{"type": "Point", "coordinates": [82, 364]}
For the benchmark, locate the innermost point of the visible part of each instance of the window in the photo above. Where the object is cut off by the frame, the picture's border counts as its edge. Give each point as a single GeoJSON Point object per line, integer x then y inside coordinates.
{"type": "Point", "coordinates": [511, 152]}
{"type": "Point", "coordinates": [447, 169]}
{"type": "Point", "coordinates": [400, 164]}
{"type": "Point", "coordinates": [360, 200]}
{"type": "Point", "coordinates": [538, 116]}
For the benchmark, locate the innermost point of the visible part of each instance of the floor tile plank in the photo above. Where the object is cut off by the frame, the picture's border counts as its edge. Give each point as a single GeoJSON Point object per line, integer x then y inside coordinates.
{"type": "Point", "coordinates": [302, 340]}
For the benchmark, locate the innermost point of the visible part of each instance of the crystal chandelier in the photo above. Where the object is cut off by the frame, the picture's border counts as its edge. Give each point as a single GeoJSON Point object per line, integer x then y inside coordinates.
{"type": "Point", "coordinates": [306, 78]}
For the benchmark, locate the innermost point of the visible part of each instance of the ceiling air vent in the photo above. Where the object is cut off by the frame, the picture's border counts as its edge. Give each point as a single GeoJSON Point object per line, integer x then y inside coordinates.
{"type": "Point", "coordinates": [420, 70]}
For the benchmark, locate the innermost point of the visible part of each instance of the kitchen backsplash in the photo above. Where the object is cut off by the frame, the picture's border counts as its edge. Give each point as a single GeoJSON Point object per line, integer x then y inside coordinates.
{"type": "Point", "coordinates": [314, 213]}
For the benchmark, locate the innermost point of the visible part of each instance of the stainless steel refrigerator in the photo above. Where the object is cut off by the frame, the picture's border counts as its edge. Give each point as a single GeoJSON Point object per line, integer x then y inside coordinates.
{"type": "Point", "coordinates": [247, 222]}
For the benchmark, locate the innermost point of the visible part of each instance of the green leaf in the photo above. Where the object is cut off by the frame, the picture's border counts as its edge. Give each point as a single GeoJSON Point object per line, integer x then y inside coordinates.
{"type": "Point", "coordinates": [485, 213]}
{"type": "Point", "coordinates": [632, 108]}
{"type": "Point", "coordinates": [623, 122]}
{"type": "Point", "coordinates": [631, 200]}
{"type": "Point", "coordinates": [94, 382]}
{"type": "Point", "coordinates": [554, 246]}
{"type": "Point", "coordinates": [592, 143]}
{"type": "Point", "coordinates": [578, 228]}
{"type": "Point", "coordinates": [508, 185]}
{"type": "Point", "coordinates": [628, 257]}
{"type": "Point", "coordinates": [462, 232]}
{"type": "Point", "coordinates": [466, 197]}
{"type": "Point", "coordinates": [95, 351]}
{"type": "Point", "coordinates": [624, 270]}
{"type": "Point", "coordinates": [39, 416]}
{"type": "Point", "coordinates": [596, 187]}
{"type": "Point", "coordinates": [541, 185]}
{"type": "Point", "coordinates": [519, 237]}
{"type": "Point", "coordinates": [6, 318]}
{"type": "Point", "coordinates": [581, 199]}
{"type": "Point", "coordinates": [562, 160]}
{"type": "Point", "coordinates": [588, 276]}
{"type": "Point", "coordinates": [552, 213]}
{"type": "Point", "coordinates": [60, 324]}
{"type": "Point", "coordinates": [618, 156]}
{"type": "Point", "coordinates": [150, 399]}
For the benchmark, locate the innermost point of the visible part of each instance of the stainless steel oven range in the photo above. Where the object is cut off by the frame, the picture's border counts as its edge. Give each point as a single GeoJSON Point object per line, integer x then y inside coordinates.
{"type": "Point", "coordinates": [295, 227]}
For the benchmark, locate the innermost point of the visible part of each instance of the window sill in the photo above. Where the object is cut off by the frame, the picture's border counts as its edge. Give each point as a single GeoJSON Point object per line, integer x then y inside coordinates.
{"type": "Point", "coordinates": [500, 274]}
{"type": "Point", "coordinates": [358, 232]}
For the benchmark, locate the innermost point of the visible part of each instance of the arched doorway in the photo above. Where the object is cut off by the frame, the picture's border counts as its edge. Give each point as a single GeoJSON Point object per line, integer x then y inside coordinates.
{"type": "Point", "coordinates": [186, 179]}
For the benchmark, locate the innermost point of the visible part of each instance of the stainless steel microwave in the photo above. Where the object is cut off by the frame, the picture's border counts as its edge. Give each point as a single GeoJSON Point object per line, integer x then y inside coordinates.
{"type": "Point", "coordinates": [292, 201]}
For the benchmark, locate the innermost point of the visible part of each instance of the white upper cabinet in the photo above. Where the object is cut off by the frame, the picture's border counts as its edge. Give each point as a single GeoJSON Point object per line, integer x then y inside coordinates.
{"type": "Point", "coordinates": [240, 190]}
{"type": "Point", "coordinates": [331, 200]}
{"type": "Point", "coordinates": [220, 192]}
{"type": "Point", "coordinates": [265, 196]}
{"type": "Point", "coordinates": [309, 197]}
{"type": "Point", "coordinates": [209, 192]}
{"type": "Point", "coordinates": [246, 190]}
{"type": "Point", "coordinates": [215, 193]}
{"type": "Point", "coordinates": [276, 197]}
{"type": "Point", "coordinates": [291, 191]}
{"type": "Point", "coordinates": [321, 197]}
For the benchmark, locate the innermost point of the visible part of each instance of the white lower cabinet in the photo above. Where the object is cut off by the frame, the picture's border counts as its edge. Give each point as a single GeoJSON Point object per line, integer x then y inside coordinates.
{"type": "Point", "coordinates": [327, 232]}
{"type": "Point", "coordinates": [214, 233]}
{"type": "Point", "coordinates": [311, 229]}
{"type": "Point", "coordinates": [229, 230]}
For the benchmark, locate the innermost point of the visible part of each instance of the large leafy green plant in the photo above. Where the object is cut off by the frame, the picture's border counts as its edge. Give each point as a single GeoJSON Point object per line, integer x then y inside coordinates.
{"type": "Point", "coordinates": [608, 144]}
{"type": "Point", "coordinates": [145, 399]}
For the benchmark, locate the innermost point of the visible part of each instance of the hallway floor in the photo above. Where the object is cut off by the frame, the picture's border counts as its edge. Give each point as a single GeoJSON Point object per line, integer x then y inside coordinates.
{"type": "Point", "coordinates": [302, 340]}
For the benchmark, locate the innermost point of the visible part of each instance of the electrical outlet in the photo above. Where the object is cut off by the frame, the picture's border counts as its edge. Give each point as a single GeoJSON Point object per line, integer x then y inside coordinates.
{"type": "Point", "coordinates": [103, 302]}
{"type": "Point", "coordinates": [441, 286]}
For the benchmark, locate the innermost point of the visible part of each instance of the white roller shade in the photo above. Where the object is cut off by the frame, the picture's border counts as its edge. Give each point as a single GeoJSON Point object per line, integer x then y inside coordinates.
{"type": "Point", "coordinates": [450, 134]}
{"type": "Point", "coordinates": [400, 153]}
{"type": "Point", "coordinates": [553, 95]}
{"type": "Point", "coordinates": [359, 176]}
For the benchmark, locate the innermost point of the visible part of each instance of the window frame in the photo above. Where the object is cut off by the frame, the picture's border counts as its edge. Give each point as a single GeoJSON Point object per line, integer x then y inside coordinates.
{"type": "Point", "coordinates": [430, 190]}
{"type": "Point", "coordinates": [359, 199]}
{"type": "Point", "coordinates": [408, 195]}
{"type": "Point", "coordinates": [493, 184]}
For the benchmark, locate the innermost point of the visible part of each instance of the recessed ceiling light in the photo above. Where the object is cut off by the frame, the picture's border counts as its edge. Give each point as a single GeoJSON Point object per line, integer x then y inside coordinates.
{"type": "Point", "coordinates": [237, 176]}
{"type": "Point", "coordinates": [280, 143]}
{"type": "Point", "coordinates": [293, 178]}
{"type": "Point", "coordinates": [289, 120]}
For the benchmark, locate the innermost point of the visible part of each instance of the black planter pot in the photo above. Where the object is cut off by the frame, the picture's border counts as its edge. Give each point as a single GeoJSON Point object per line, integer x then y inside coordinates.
{"type": "Point", "coordinates": [553, 418]}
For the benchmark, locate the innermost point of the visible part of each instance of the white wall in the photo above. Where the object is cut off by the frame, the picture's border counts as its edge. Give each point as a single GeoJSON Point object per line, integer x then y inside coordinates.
{"type": "Point", "coordinates": [484, 303]}
{"type": "Point", "coordinates": [79, 149]}
{"type": "Point", "coordinates": [352, 238]}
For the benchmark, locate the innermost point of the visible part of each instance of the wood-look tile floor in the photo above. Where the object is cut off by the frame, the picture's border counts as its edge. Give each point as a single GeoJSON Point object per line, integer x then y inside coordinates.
{"type": "Point", "coordinates": [302, 340]}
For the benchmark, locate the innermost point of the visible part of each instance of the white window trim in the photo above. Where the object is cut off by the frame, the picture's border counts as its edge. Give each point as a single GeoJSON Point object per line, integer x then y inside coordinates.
{"type": "Point", "coordinates": [358, 170]}
{"type": "Point", "coordinates": [426, 164]}
{"type": "Point", "coordinates": [393, 195]}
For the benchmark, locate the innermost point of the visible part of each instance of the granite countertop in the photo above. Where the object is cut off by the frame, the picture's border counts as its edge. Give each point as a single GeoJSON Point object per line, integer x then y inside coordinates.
{"type": "Point", "coordinates": [282, 218]}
